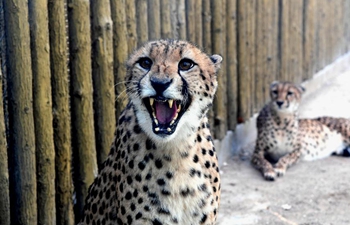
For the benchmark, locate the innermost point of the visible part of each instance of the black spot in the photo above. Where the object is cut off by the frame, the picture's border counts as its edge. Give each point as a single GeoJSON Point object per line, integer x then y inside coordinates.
{"type": "Point", "coordinates": [122, 210]}
{"type": "Point", "coordinates": [161, 182]}
{"type": "Point", "coordinates": [204, 152]}
{"type": "Point", "coordinates": [136, 147]}
{"type": "Point", "coordinates": [121, 187]}
{"type": "Point", "coordinates": [129, 219]}
{"type": "Point", "coordinates": [132, 207]}
{"type": "Point", "coordinates": [94, 208]}
{"type": "Point", "coordinates": [199, 138]}
{"type": "Point", "coordinates": [137, 129]}
{"type": "Point", "coordinates": [158, 163]}
{"type": "Point", "coordinates": [207, 164]}
{"type": "Point", "coordinates": [131, 164]}
{"type": "Point", "coordinates": [216, 180]}
{"type": "Point", "coordinates": [138, 177]}
{"type": "Point", "coordinates": [192, 172]}
{"type": "Point", "coordinates": [140, 200]}
{"type": "Point", "coordinates": [156, 222]}
{"type": "Point", "coordinates": [165, 192]}
{"type": "Point", "coordinates": [167, 158]}
{"type": "Point", "coordinates": [164, 211]}
{"type": "Point", "coordinates": [128, 196]}
{"type": "Point", "coordinates": [202, 187]}
{"type": "Point", "coordinates": [148, 176]}
{"type": "Point", "coordinates": [204, 218]}
{"type": "Point", "coordinates": [138, 215]}
{"type": "Point", "coordinates": [214, 189]}
{"type": "Point", "coordinates": [142, 165]}
{"type": "Point", "coordinates": [211, 153]}
{"type": "Point", "coordinates": [186, 192]}
{"type": "Point", "coordinates": [169, 175]}
{"type": "Point", "coordinates": [149, 144]}
{"type": "Point", "coordinates": [145, 188]}
{"type": "Point", "coordinates": [136, 193]}
{"type": "Point", "coordinates": [108, 194]}
{"type": "Point", "coordinates": [129, 179]}
{"type": "Point", "coordinates": [195, 158]}
{"type": "Point", "coordinates": [147, 208]}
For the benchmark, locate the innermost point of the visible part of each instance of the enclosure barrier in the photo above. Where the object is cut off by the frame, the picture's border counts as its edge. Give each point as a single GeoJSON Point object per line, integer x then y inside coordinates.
{"type": "Point", "coordinates": [63, 75]}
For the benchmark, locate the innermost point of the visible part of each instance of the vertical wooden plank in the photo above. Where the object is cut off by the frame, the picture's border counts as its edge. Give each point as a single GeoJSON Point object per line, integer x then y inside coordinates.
{"type": "Point", "coordinates": [165, 13]}
{"type": "Point", "coordinates": [321, 34]}
{"type": "Point", "coordinates": [199, 23]}
{"type": "Point", "coordinates": [61, 111]}
{"type": "Point", "coordinates": [291, 40]}
{"type": "Point", "coordinates": [309, 38]}
{"type": "Point", "coordinates": [120, 48]}
{"type": "Point", "coordinates": [4, 173]}
{"type": "Point", "coordinates": [181, 19]}
{"type": "Point", "coordinates": [246, 58]}
{"type": "Point", "coordinates": [82, 100]}
{"type": "Point", "coordinates": [347, 25]}
{"type": "Point", "coordinates": [266, 69]}
{"type": "Point", "coordinates": [218, 47]}
{"type": "Point", "coordinates": [231, 62]}
{"type": "Point", "coordinates": [190, 19]}
{"type": "Point", "coordinates": [207, 44]}
{"type": "Point", "coordinates": [22, 137]}
{"type": "Point", "coordinates": [45, 152]}
{"type": "Point", "coordinates": [154, 19]}
{"type": "Point", "coordinates": [131, 25]}
{"type": "Point", "coordinates": [142, 21]}
{"type": "Point", "coordinates": [102, 74]}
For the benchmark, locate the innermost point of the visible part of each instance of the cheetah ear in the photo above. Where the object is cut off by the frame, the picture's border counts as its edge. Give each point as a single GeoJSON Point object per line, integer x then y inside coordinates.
{"type": "Point", "coordinates": [274, 83]}
{"type": "Point", "coordinates": [301, 88]}
{"type": "Point", "coordinates": [216, 59]}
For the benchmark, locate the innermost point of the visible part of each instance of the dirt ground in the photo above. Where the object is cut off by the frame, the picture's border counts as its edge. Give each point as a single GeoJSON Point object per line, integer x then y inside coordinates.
{"type": "Point", "coordinates": [313, 193]}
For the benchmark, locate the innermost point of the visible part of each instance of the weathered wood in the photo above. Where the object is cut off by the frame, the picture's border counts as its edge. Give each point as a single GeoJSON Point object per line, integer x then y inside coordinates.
{"type": "Point", "coordinates": [142, 21]}
{"type": "Point", "coordinates": [102, 73]}
{"type": "Point", "coordinates": [309, 39]}
{"type": "Point", "coordinates": [131, 25]}
{"type": "Point", "coordinates": [190, 20]}
{"type": "Point", "coordinates": [84, 145]}
{"type": "Point", "coordinates": [181, 19]}
{"type": "Point", "coordinates": [173, 20]}
{"type": "Point", "coordinates": [321, 34]}
{"type": "Point", "coordinates": [165, 12]}
{"type": "Point", "coordinates": [61, 111]}
{"type": "Point", "coordinates": [154, 19]}
{"type": "Point", "coordinates": [206, 26]}
{"type": "Point", "coordinates": [346, 26]}
{"type": "Point", "coordinates": [198, 24]}
{"type": "Point", "coordinates": [291, 40]}
{"type": "Point", "coordinates": [120, 47]}
{"type": "Point", "coordinates": [45, 151]}
{"type": "Point", "coordinates": [218, 46]}
{"type": "Point", "coordinates": [22, 137]}
{"type": "Point", "coordinates": [266, 50]}
{"type": "Point", "coordinates": [246, 58]}
{"type": "Point", "coordinates": [231, 62]}
{"type": "Point", "coordinates": [4, 173]}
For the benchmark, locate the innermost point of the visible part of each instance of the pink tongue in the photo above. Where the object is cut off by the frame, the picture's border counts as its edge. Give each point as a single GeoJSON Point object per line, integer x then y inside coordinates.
{"type": "Point", "coordinates": [165, 114]}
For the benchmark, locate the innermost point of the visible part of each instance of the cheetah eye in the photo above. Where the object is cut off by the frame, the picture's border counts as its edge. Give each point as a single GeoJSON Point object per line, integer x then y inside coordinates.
{"type": "Point", "coordinates": [275, 92]}
{"type": "Point", "coordinates": [145, 63]}
{"type": "Point", "coordinates": [186, 64]}
{"type": "Point", "coordinates": [289, 93]}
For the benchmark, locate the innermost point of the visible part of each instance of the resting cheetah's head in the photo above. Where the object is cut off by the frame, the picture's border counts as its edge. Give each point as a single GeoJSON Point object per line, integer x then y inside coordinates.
{"type": "Point", "coordinates": [285, 96]}
{"type": "Point", "coordinates": [171, 85]}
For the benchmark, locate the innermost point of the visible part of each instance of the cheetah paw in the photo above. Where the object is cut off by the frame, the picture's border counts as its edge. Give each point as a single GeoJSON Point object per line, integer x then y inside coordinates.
{"type": "Point", "coordinates": [270, 175]}
{"type": "Point", "coordinates": [280, 170]}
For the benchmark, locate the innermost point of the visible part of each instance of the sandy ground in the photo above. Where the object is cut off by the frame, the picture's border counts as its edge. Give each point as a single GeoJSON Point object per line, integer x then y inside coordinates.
{"type": "Point", "coordinates": [310, 193]}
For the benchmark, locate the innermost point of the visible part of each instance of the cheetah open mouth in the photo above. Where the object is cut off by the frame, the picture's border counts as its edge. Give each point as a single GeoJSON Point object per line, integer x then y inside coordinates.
{"type": "Point", "coordinates": [165, 113]}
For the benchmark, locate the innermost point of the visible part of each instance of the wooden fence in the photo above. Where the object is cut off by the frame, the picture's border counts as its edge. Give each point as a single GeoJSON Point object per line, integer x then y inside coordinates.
{"type": "Point", "coordinates": [63, 68]}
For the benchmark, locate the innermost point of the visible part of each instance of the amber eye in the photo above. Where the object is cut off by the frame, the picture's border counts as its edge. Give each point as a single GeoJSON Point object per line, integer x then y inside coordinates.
{"type": "Point", "coordinates": [145, 63]}
{"type": "Point", "coordinates": [185, 64]}
{"type": "Point", "coordinates": [289, 93]}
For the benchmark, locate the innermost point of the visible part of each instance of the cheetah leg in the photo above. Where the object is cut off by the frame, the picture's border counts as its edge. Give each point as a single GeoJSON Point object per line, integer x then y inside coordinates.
{"type": "Point", "coordinates": [286, 161]}
{"type": "Point", "coordinates": [264, 166]}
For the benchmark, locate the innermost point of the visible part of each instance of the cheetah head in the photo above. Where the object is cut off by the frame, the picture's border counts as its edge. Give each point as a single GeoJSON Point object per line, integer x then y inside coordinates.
{"type": "Point", "coordinates": [171, 85]}
{"type": "Point", "coordinates": [285, 96]}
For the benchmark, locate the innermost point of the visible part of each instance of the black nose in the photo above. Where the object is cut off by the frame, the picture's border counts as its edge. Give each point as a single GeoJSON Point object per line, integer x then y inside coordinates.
{"type": "Point", "coordinates": [279, 103]}
{"type": "Point", "coordinates": [160, 84]}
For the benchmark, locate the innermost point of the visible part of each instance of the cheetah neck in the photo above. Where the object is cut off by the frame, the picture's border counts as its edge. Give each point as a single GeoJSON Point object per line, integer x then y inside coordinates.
{"type": "Point", "coordinates": [284, 119]}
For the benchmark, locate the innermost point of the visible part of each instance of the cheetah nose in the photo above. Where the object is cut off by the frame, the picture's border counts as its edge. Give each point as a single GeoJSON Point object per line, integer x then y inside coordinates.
{"type": "Point", "coordinates": [279, 103]}
{"type": "Point", "coordinates": [160, 84]}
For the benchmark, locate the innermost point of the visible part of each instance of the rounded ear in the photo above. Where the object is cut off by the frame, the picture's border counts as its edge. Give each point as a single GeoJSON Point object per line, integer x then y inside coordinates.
{"type": "Point", "coordinates": [301, 88]}
{"type": "Point", "coordinates": [216, 59]}
{"type": "Point", "coordinates": [274, 83]}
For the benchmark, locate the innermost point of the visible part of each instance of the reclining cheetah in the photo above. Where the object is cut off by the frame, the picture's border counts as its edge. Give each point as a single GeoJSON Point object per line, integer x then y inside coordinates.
{"type": "Point", "coordinates": [283, 138]}
{"type": "Point", "coordinates": [162, 168]}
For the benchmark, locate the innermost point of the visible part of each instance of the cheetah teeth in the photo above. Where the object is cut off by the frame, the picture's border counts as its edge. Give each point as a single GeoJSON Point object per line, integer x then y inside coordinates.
{"type": "Point", "coordinates": [151, 101]}
{"type": "Point", "coordinates": [168, 129]}
{"type": "Point", "coordinates": [156, 129]}
{"type": "Point", "coordinates": [171, 101]}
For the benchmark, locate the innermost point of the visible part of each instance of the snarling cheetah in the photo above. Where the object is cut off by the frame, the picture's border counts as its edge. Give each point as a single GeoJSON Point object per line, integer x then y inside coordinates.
{"type": "Point", "coordinates": [162, 168]}
{"type": "Point", "coordinates": [283, 138]}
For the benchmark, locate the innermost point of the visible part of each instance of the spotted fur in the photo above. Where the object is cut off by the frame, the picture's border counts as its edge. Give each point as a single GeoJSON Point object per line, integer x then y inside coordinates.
{"type": "Point", "coordinates": [156, 176]}
{"type": "Point", "coordinates": [283, 138]}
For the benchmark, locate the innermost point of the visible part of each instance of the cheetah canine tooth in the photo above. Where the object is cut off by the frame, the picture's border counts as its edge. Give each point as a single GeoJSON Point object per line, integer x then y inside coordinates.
{"type": "Point", "coordinates": [151, 101]}
{"type": "Point", "coordinates": [171, 101]}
